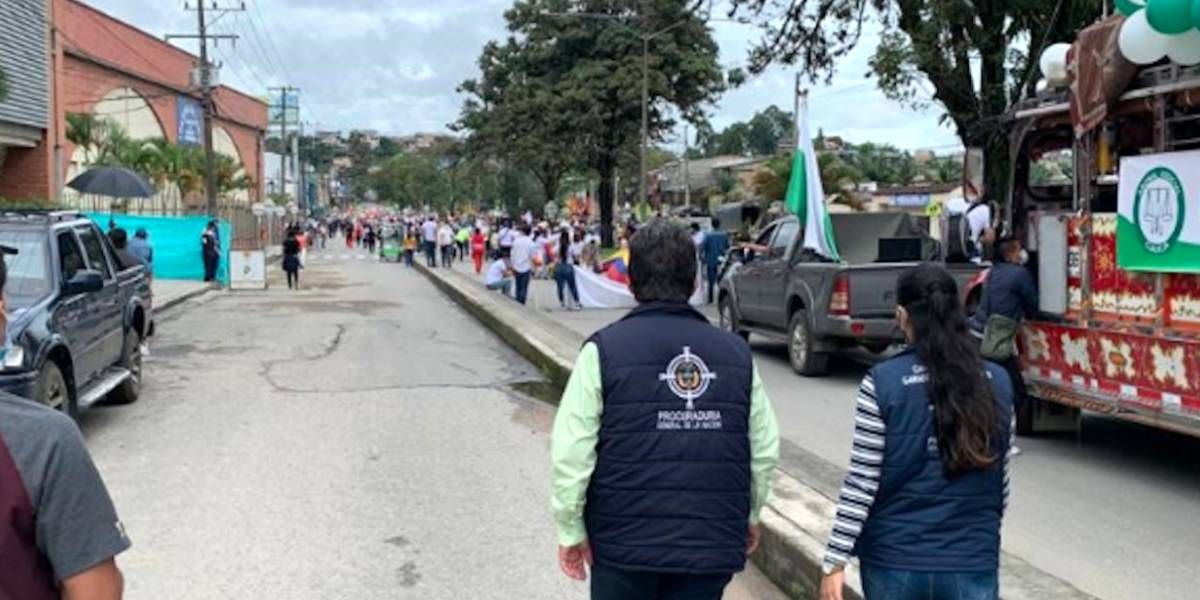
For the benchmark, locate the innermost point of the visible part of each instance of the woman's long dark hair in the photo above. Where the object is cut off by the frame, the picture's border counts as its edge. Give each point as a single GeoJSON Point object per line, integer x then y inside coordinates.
{"type": "Point", "coordinates": [564, 246]}
{"type": "Point", "coordinates": [964, 407]}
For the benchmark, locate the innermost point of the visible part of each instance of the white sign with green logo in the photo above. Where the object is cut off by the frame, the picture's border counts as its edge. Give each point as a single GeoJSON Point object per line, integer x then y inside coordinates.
{"type": "Point", "coordinates": [1159, 208]}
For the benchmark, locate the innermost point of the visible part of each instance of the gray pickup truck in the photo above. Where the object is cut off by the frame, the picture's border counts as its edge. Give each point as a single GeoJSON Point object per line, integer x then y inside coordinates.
{"type": "Point", "coordinates": [820, 307]}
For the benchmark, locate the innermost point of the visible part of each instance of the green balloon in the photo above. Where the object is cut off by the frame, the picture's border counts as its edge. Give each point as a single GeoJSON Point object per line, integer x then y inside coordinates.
{"type": "Point", "coordinates": [1171, 17]}
{"type": "Point", "coordinates": [1128, 7]}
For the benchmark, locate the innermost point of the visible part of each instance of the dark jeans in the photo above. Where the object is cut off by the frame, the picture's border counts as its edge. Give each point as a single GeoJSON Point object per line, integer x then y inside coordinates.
{"type": "Point", "coordinates": [610, 583]}
{"type": "Point", "coordinates": [448, 256]}
{"type": "Point", "coordinates": [564, 276]}
{"type": "Point", "coordinates": [408, 258]}
{"type": "Point", "coordinates": [293, 279]}
{"type": "Point", "coordinates": [523, 286]}
{"type": "Point", "coordinates": [890, 584]}
{"type": "Point", "coordinates": [210, 267]}
{"type": "Point", "coordinates": [711, 272]}
{"type": "Point", "coordinates": [430, 254]}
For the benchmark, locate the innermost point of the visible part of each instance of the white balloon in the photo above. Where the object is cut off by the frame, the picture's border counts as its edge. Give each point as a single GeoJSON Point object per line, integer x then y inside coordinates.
{"type": "Point", "coordinates": [1054, 63]}
{"type": "Point", "coordinates": [1184, 49]}
{"type": "Point", "coordinates": [1139, 42]}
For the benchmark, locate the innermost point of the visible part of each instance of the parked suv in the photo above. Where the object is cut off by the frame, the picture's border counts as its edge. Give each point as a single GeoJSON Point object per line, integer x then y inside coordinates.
{"type": "Point", "coordinates": [77, 317]}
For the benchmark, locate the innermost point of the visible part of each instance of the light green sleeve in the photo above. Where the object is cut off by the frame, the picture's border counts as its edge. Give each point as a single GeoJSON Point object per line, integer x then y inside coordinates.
{"type": "Point", "coordinates": [764, 446]}
{"type": "Point", "coordinates": [573, 444]}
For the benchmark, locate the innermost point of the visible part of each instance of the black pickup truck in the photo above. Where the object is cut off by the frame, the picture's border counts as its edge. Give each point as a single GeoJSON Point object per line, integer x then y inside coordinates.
{"type": "Point", "coordinates": [820, 307]}
{"type": "Point", "coordinates": [77, 316]}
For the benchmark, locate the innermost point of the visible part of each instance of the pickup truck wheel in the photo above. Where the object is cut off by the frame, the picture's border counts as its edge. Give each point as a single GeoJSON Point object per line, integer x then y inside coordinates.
{"type": "Point", "coordinates": [52, 390]}
{"type": "Point", "coordinates": [729, 319]}
{"type": "Point", "coordinates": [800, 348]}
{"type": "Point", "coordinates": [131, 359]}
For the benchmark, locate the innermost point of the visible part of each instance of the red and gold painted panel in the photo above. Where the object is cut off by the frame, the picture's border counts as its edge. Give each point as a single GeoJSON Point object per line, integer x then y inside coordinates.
{"type": "Point", "coordinates": [1123, 296]}
{"type": "Point", "coordinates": [1149, 373]}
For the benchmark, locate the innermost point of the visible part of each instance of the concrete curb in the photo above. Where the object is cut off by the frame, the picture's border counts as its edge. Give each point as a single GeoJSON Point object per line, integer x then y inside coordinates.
{"type": "Point", "coordinates": [181, 298]}
{"type": "Point", "coordinates": [795, 521]}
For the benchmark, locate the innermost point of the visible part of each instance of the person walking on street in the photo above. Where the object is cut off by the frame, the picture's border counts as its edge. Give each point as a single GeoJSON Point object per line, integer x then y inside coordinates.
{"type": "Point", "coordinates": [564, 272]}
{"type": "Point", "coordinates": [410, 244]}
{"type": "Point", "coordinates": [60, 534]}
{"type": "Point", "coordinates": [712, 249]}
{"type": "Point", "coordinates": [445, 239]}
{"type": "Point", "coordinates": [429, 231]}
{"type": "Point", "coordinates": [664, 442]}
{"type": "Point", "coordinates": [1009, 295]}
{"type": "Point", "coordinates": [291, 258]}
{"type": "Point", "coordinates": [462, 240]}
{"type": "Point", "coordinates": [928, 482]}
{"type": "Point", "coordinates": [210, 250]}
{"type": "Point", "coordinates": [524, 252]}
{"type": "Point", "coordinates": [478, 248]}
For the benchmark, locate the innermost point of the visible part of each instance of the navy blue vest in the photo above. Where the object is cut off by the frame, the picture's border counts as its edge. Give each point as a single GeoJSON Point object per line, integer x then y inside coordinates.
{"type": "Point", "coordinates": [922, 521]}
{"type": "Point", "coordinates": [671, 489]}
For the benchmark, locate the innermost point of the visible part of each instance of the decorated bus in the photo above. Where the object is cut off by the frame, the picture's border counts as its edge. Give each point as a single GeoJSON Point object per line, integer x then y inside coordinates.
{"type": "Point", "coordinates": [1105, 193]}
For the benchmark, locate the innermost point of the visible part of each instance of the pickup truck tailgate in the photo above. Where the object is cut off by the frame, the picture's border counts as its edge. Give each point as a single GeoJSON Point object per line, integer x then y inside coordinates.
{"type": "Point", "coordinates": [873, 290]}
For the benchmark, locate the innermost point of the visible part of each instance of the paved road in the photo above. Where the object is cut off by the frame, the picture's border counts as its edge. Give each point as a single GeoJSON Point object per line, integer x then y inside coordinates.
{"type": "Point", "coordinates": [358, 439]}
{"type": "Point", "coordinates": [1115, 510]}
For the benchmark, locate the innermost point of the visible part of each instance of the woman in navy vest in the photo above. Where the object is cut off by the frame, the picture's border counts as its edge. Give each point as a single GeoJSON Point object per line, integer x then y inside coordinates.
{"type": "Point", "coordinates": [928, 480]}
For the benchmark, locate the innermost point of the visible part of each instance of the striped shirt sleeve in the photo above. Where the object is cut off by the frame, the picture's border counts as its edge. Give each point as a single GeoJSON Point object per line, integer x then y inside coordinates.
{"type": "Point", "coordinates": [862, 479]}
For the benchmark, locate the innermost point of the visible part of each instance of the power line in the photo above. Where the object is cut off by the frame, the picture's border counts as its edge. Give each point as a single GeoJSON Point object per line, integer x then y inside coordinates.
{"type": "Point", "coordinates": [270, 39]}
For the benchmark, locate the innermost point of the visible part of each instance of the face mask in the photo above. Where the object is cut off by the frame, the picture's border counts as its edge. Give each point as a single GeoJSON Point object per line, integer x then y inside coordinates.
{"type": "Point", "coordinates": [1024, 257]}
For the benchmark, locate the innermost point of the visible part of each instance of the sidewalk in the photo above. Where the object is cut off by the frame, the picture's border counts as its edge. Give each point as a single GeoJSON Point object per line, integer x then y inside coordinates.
{"type": "Point", "coordinates": [798, 517]}
{"type": "Point", "coordinates": [171, 292]}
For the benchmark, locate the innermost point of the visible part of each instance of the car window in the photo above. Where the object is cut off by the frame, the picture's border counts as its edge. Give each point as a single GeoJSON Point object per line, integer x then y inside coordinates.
{"type": "Point", "coordinates": [783, 240]}
{"type": "Point", "coordinates": [95, 251]}
{"type": "Point", "coordinates": [764, 238]}
{"type": "Point", "coordinates": [28, 270]}
{"type": "Point", "coordinates": [70, 256]}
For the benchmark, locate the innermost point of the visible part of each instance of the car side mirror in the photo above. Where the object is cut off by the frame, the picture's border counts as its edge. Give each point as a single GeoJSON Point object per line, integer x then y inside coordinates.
{"type": "Point", "coordinates": [84, 282]}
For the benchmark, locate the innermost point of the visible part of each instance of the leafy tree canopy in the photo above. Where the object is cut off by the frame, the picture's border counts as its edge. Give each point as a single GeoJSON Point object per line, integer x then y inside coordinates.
{"type": "Point", "coordinates": [576, 66]}
{"type": "Point", "coordinates": [970, 57]}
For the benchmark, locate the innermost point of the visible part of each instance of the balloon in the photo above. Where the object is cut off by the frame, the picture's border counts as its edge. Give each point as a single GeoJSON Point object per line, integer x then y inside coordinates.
{"type": "Point", "coordinates": [1139, 43]}
{"type": "Point", "coordinates": [1184, 49]}
{"type": "Point", "coordinates": [1169, 16]}
{"type": "Point", "coordinates": [1128, 7]}
{"type": "Point", "coordinates": [1054, 63]}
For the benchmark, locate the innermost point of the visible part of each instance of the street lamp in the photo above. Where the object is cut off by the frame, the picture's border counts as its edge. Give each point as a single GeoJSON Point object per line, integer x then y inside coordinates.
{"type": "Point", "coordinates": [646, 38]}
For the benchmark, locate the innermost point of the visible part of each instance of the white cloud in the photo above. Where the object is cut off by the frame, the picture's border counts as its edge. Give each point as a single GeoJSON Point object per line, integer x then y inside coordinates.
{"type": "Point", "coordinates": [393, 65]}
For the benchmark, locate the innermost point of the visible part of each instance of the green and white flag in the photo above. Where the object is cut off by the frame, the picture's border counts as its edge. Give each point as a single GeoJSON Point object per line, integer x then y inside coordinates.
{"type": "Point", "coordinates": [1159, 209]}
{"type": "Point", "coordinates": [806, 198]}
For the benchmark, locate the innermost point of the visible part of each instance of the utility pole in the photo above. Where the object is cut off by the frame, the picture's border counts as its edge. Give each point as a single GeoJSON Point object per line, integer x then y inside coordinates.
{"type": "Point", "coordinates": [206, 92]}
{"type": "Point", "coordinates": [285, 92]}
{"type": "Point", "coordinates": [645, 114]}
{"type": "Point", "coordinates": [687, 176]}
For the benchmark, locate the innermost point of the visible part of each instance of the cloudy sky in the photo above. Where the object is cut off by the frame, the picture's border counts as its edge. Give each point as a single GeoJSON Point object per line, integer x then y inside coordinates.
{"type": "Point", "coordinates": [393, 65]}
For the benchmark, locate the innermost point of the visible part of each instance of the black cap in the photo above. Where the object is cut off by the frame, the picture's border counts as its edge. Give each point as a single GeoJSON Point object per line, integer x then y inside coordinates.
{"type": "Point", "coordinates": [8, 250]}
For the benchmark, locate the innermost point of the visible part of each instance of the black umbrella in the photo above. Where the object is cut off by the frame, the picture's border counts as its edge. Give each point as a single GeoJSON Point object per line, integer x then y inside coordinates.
{"type": "Point", "coordinates": [116, 182]}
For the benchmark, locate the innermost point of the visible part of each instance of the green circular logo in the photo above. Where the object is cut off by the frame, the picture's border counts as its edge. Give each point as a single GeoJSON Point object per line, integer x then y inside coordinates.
{"type": "Point", "coordinates": [1158, 207]}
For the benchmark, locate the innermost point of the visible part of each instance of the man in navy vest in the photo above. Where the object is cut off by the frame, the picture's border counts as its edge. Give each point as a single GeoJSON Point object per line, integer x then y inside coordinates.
{"type": "Point", "coordinates": [664, 442]}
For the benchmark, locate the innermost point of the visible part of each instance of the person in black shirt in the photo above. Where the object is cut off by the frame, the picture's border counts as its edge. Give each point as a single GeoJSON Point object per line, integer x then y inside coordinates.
{"type": "Point", "coordinates": [291, 259]}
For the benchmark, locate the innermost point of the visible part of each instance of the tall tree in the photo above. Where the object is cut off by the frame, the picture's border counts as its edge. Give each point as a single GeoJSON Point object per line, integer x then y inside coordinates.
{"type": "Point", "coordinates": [589, 52]}
{"type": "Point", "coordinates": [520, 115]}
{"type": "Point", "coordinates": [978, 56]}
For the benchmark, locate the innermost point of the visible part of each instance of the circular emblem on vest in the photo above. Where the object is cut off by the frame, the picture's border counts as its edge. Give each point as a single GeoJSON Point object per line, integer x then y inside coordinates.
{"type": "Point", "coordinates": [688, 377]}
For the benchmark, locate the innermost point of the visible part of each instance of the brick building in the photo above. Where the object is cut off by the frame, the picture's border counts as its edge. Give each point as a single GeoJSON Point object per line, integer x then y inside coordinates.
{"type": "Point", "coordinates": [101, 65]}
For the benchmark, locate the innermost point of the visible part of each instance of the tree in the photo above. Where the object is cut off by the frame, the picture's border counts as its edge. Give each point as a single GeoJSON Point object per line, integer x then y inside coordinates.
{"type": "Point", "coordinates": [520, 116]}
{"type": "Point", "coordinates": [928, 43]}
{"type": "Point", "coordinates": [412, 181]}
{"type": "Point", "coordinates": [767, 128]}
{"type": "Point", "coordinates": [594, 65]}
